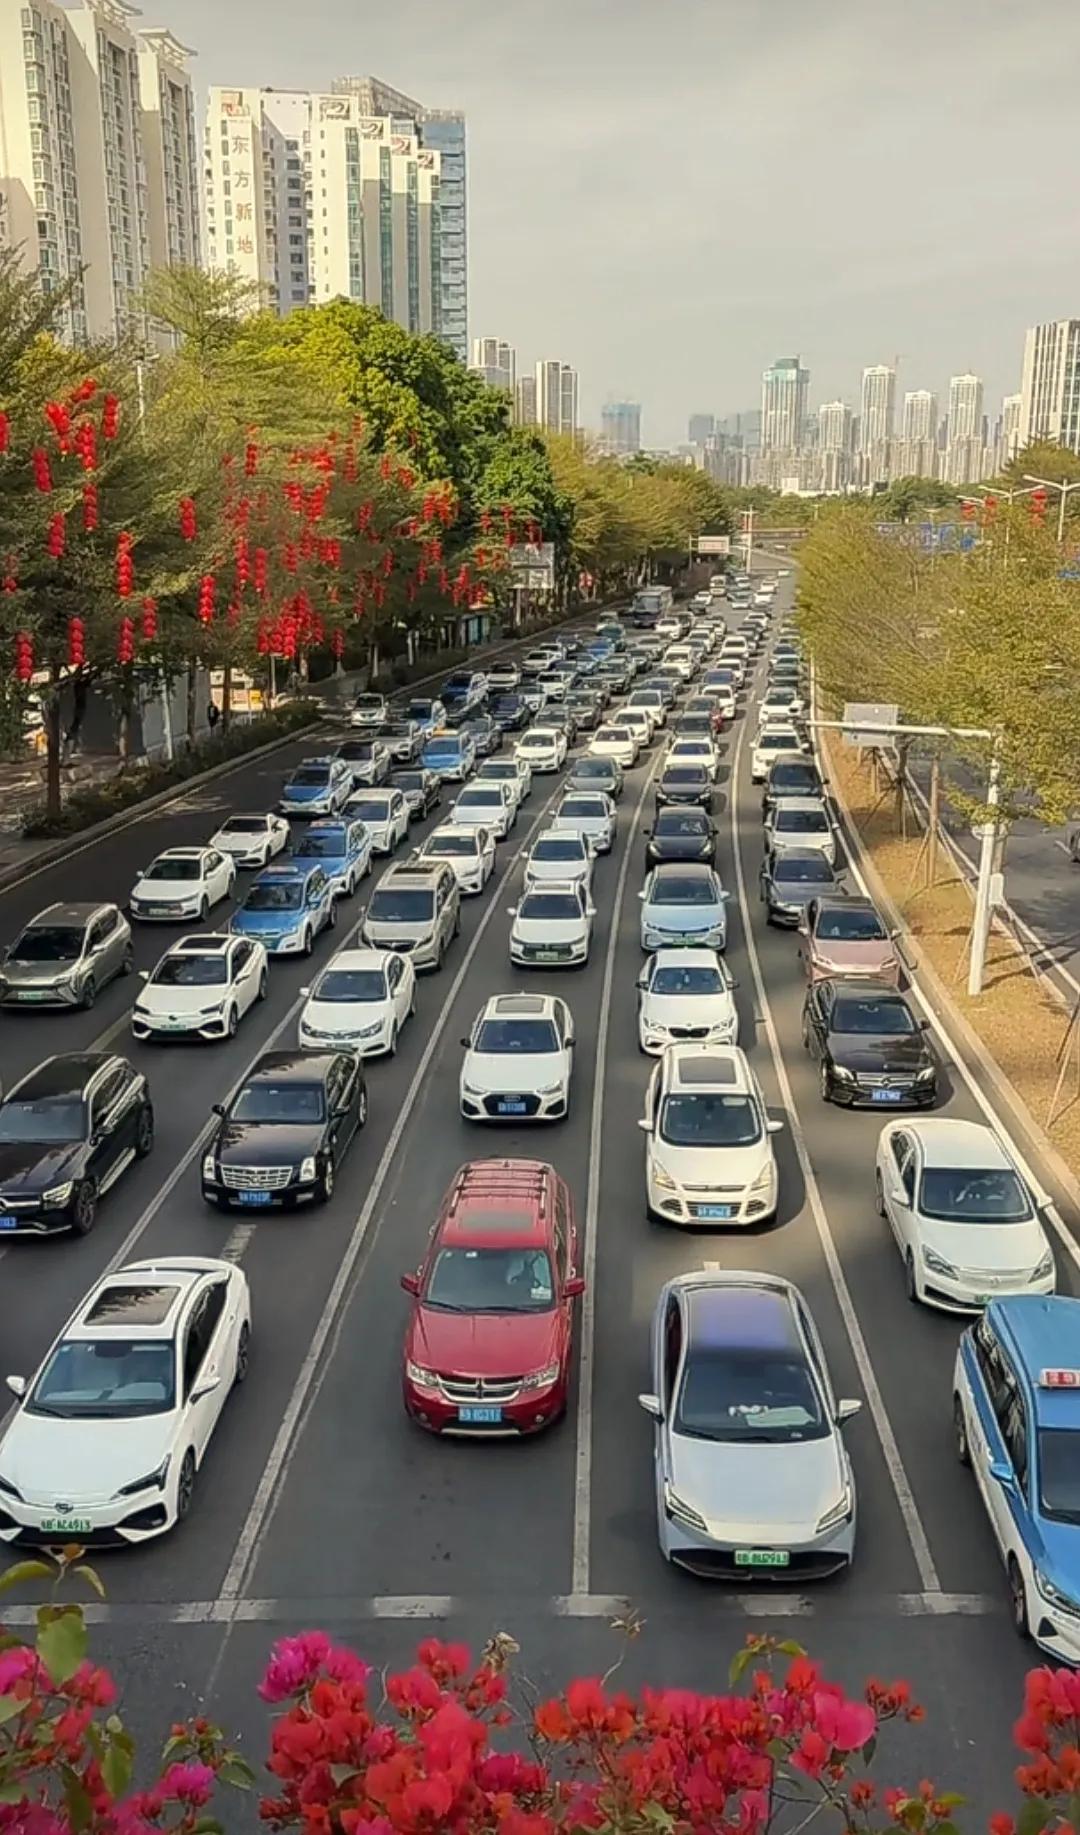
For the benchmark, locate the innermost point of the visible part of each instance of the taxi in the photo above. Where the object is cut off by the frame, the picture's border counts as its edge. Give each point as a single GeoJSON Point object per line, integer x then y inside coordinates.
{"type": "Point", "coordinates": [341, 847]}
{"type": "Point", "coordinates": [1016, 1422]}
{"type": "Point", "coordinates": [451, 754]}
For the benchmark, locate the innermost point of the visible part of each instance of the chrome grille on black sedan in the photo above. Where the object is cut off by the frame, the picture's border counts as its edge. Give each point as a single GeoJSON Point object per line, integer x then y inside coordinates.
{"type": "Point", "coordinates": [878, 1080]}
{"type": "Point", "coordinates": [256, 1178]}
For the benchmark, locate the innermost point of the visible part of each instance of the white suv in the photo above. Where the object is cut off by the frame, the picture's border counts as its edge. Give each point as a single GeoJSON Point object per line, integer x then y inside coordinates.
{"type": "Point", "coordinates": [708, 1156]}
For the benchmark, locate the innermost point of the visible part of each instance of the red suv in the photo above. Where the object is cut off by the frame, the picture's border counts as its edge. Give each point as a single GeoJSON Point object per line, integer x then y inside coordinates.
{"type": "Point", "coordinates": [487, 1349]}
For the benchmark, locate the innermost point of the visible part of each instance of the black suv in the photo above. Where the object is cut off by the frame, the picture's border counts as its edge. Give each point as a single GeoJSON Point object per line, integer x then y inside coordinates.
{"type": "Point", "coordinates": [67, 1132]}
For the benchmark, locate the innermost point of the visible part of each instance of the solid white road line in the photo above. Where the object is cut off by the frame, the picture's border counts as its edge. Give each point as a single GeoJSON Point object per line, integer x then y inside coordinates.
{"type": "Point", "coordinates": [587, 1323]}
{"type": "Point", "coordinates": [905, 1497]}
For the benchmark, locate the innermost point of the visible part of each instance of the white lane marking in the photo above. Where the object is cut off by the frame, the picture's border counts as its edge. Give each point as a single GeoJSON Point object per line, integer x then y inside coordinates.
{"type": "Point", "coordinates": [317, 1361]}
{"type": "Point", "coordinates": [237, 1243]}
{"type": "Point", "coordinates": [901, 1484]}
{"type": "Point", "coordinates": [586, 1335]}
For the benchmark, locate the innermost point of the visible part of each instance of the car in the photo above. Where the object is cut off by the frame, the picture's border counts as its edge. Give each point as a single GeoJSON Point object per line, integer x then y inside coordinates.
{"type": "Point", "coordinates": [485, 733]}
{"type": "Point", "coordinates": [589, 773]}
{"type": "Point", "coordinates": [685, 994]}
{"type": "Point", "coordinates": [369, 710]}
{"type": "Point", "coordinates": [778, 705]}
{"type": "Point", "coordinates": [68, 1131]}
{"type": "Point", "coordinates": [385, 815]}
{"type": "Point", "coordinates": [683, 903]}
{"type": "Point", "coordinates": [429, 714]}
{"type": "Point", "coordinates": [772, 744]}
{"type": "Point", "coordinates": [403, 739]}
{"type": "Point", "coordinates": [282, 1135]}
{"type": "Point", "coordinates": [514, 773]}
{"type": "Point", "coordinates": [552, 925]}
{"type": "Point", "coordinates": [666, 686]}
{"type": "Point", "coordinates": [651, 701]}
{"type": "Point", "coordinates": [469, 852]}
{"type": "Point", "coordinates": [791, 776]}
{"type": "Point", "coordinates": [543, 748]}
{"type": "Point", "coordinates": [753, 1481]}
{"type": "Point", "coordinates": [790, 879]}
{"type": "Point", "coordinates": [285, 908]}
{"type": "Point", "coordinates": [318, 787]}
{"type": "Point", "coordinates": [589, 813]}
{"type": "Point", "coordinates": [560, 854]}
{"type": "Point", "coordinates": [368, 761]}
{"type": "Point", "coordinates": [802, 822]}
{"type": "Point", "coordinates": [684, 784]}
{"type": "Point", "coordinates": [693, 749]}
{"type": "Point", "coordinates": [708, 1149]}
{"type": "Point", "coordinates": [414, 908]}
{"type": "Point", "coordinates": [489, 1343]}
{"type": "Point", "coordinates": [586, 706]}
{"type": "Point", "coordinates": [870, 1047]}
{"type": "Point", "coordinates": [537, 661]}
{"type": "Point", "coordinates": [183, 882]}
{"type": "Point", "coordinates": [723, 679]}
{"type": "Point", "coordinates": [342, 847]}
{"type": "Point", "coordinates": [965, 1220]}
{"type": "Point", "coordinates": [201, 988]}
{"type": "Point", "coordinates": [462, 693]}
{"type": "Point", "coordinates": [486, 805]}
{"type": "Point", "coordinates": [846, 937]}
{"type": "Point", "coordinates": [1016, 1410]}
{"type": "Point", "coordinates": [510, 712]}
{"type": "Point", "coordinates": [65, 955]}
{"type": "Point", "coordinates": [452, 756]}
{"type": "Point", "coordinates": [252, 840]}
{"type": "Point", "coordinates": [504, 677]}
{"type": "Point", "coordinates": [533, 696]}
{"type": "Point", "coordinates": [680, 832]}
{"type": "Point", "coordinates": [560, 717]}
{"type": "Point", "coordinates": [681, 658]}
{"type": "Point", "coordinates": [421, 788]}
{"type": "Point", "coordinates": [118, 1417]}
{"type": "Point", "coordinates": [698, 720]}
{"type": "Point", "coordinates": [360, 1003]}
{"type": "Point", "coordinates": [640, 722]}
{"type": "Point", "coordinates": [519, 1060]}
{"type": "Point", "coordinates": [618, 742]}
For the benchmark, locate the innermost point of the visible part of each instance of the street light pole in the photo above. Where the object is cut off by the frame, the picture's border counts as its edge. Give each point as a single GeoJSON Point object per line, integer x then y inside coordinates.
{"type": "Point", "coordinates": [1065, 487]}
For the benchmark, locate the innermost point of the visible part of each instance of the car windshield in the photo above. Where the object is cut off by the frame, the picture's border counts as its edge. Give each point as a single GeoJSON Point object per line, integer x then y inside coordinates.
{"type": "Point", "coordinates": [397, 729]}
{"type": "Point", "coordinates": [709, 1118]}
{"type": "Point", "coordinates": [370, 808]}
{"type": "Point", "coordinates": [104, 1378]}
{"type": "Point", "coordinates": [491, 1281]}
{"type": "Point", "coordinates": [48, 1120]}
{"type": "Point", "coordinates": [351, 984]}
{"type": "Point", "coordinates": [48, 943]}
{"type": "Point", "coordinates": [190, 972]}
{"type": "Point", "coordinates": [518, 1036]}
{"type": "Point", "coordinates": [442, 748]}
{"type": "Point", "coordinates": [585, 806]}
{"type": "Point", "coordinates": [560, 847]}
{"type": "Point", "coordinates": [174, 869]}
{"type": "Point", "coordinates": [320, 846]}
{"type": "Point", "coordinates": [358, 751]}
{"type": "Point", "coordinates": [412, 904]}
{"type": "Point", "coordinates": [451, 847]}
{"type": "Point", "coordinates": [244, 825]}
{"type": "Point", "coordinates": [801, 822]}
{"type": "Point", "coordinates": [778, 742]}
{"type": "Point", "coordinates": [669, 822]}
{"type": "Point", "coordinates": [597, 768]}
{"type": "Point", "coordinates": [460, 679]}
{"type": "Point", "coordinates": [748, 1396]}
{"type": "Point", "coordinates": [296, 1104]}
{"type": "Point", "coordinates": [616, 735]}
{"type": "Point", "coordinates": [794, 780]}
{"type": "Point", "coordinates": [480, 799]}
{"type": "Point", "coordinates": [408, 780]}
{"type": "Point", "coordinates": [310, 775]}
{"type": "Point", "coordinates": [687, 978]}
{"type": "Point", "coordinates": [543, 906]}
{"type": "Point", "coordinates": [369, 703]}
{"type": "Point", "coordinates": [670, 890]}
{"type": "Point", "coordinates": [284, 896]}
{"type": "Point", "coordinates": [891, 1016]}
{"type": "Point", "coordinates": [691, 775]}
{"type": "Point", "coordinates": [419, 710]}
{"type": "Point", "coordinates": [961, 1194]}
{"type": "Point", "coordinates": [850, 926]}
{"type": "Point", "coordinates": [791, 872]}
{"type": "Point", "coordinates": [1059, 1473]}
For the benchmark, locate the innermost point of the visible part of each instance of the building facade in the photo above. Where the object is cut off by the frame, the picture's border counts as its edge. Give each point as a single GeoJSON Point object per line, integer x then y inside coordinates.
{"type": "Point", "coordinates": [170, 151]}
{"type": "Point", "coordinates": [525, 401]}
{"type": "Point", "coordinates": [834, 445]}
{"type": "Point", "coordinates": [1012, 421]}
{"type": "Point", "coordinates": [495, 361]}
{"type": "Point", "coordinates": [620, 426]}
{"type": "Point", "coordinates": [1050, 388]}
{"type": "Point", "coordinates": [964, 461]}
{"type": "Point", "coordinates": [700, 428]}
{"type": "Point", "coordinates": [557, 396]}
{"type": "Point", "coordinates": [784, 389]}
{"type": "Point", "coordinates": [877, 419]}
{"type": "Point", "coordinates": [917, 453]}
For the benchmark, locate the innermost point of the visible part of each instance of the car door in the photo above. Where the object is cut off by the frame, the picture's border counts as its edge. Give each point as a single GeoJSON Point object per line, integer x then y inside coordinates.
{"type": "Point", "coordinates": [565, 1027]}
{"type": "Point", "coordinates": [819, 1002]}
{"type": "Point", "coordinates": [112, 1123]}
{"type": "Point", "coordinates": [219, 874]}
{"type": "Point", "coordinates": [669, 1353]}
{"type": "Point", "coordinates": [985, 1401]}
{"type": "Point", "coordinates": [903, 1170]}
{"type": "Point", "coordinates": [395, 973]}
{"type": "Point", "coordinates": [244, 973]}
{"type": "Point", "coordinates": [203, 1398]}
{"type": "Point", "coordinates": [320, 895]}
{"type": "Point", "coordinates": [104, 947]}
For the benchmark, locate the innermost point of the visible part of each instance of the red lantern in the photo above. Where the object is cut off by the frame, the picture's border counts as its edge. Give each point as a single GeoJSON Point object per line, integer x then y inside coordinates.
{"type": "Point", "coordinates": [110, 417]}
{"type": "Point", "coordinates": [337, 645]}
{"type": "Point", "coordinates": [385, 468]}
{"type": "Point", "coordinates": [188, 526]}
{"type": "Point", "coordinates": [406, 477]}
{"type": "Point", "coordinates": [24, 656]}
{"type": "Point", "coordinates": [84, 391]}
{"type": "Point", "coordinates": [125, 566]}
{"type": "Point", "coordinates": [125, 641]}
{"type": "Point", "coordinates": [260, 571]}
{"type": "Point", "coordinates": [251, 459]}
{"type": "Point", "coordinates": [1038, 505]}
{"type": "Point", "coordinates": [262, 638]}
{"type": "Point", "coordinates": [85, 444]}
{"type": "Point", "coordinates": [388, 563]}
{"type": "Point", "coordinates": [39, 459]}
{"type": "Point", "coordinates": [967, 511]}
{"type": "Point", "coordinates": [10, 583]}
{"type": "Point", "coordinates": [243, 563]}
{"type": "Point", "coordinates": [60, 421]}
{"type": "Point", "coordinates": [207, 587]}
{"type": "Point", "coordinates": [149, 620]}
{"type": "Point", "coordinates": [76, 643]}
{"type": "Point", "coordinates": [378, 593]}
{"type": "Point", "coordinates": [5, 432]}
{"type": "Point", "coordinates": [485, 520]}
{"type": "Point", "coordinates": [90, 508]}
{"type": "Point", "coordinates": [57, 535]}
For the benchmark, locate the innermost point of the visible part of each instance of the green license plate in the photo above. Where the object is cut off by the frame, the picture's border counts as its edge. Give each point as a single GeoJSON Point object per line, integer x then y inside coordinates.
{"type": "Point", "coordinates": [33, 994]}
{"type": "Point", "coordinates": [762, 1557]}
{"type": "Point", "coordinates": [66, 1525]}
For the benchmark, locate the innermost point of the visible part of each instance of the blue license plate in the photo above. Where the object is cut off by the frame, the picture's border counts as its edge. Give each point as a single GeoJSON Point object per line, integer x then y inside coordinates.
{"type": "Point", "coordinates": [478, 1416]}
{"type": "Point", "coordinates": [254, 1197]}
{"type": "Point", "coordinates": [714, 1210]}
{"type": "Point", "coordinates": [9, 1223]}
{"type": "Point", "coordinates": [507, 1107]}
{"type": "Point", "coordinates": [888, 1096]}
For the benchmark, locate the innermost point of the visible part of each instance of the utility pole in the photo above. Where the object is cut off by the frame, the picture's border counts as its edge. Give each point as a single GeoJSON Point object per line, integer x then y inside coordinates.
{"type": "Point", "coordinates": [980, 928]}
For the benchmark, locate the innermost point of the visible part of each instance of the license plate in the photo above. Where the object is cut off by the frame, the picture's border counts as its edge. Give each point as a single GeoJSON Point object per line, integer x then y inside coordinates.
{"type": "Point", "coordinates": [714, 1210]}
{"type": "Point", "coordinates": [158, 910]}
{"type": "Point", "coordinates": [507, 1107]}
{"type": "Point", "coordinates": [173, 1025]}
{"type": "Point", "coordinates": [32, 994]}
{"type": "Point", "coordinates": [66, 1525]}
{"type": "Point", "coordinates": [981, 1299]}
{"type": "Point", "coordinates": [762, 1557]}
{"type": "Point", "coordinates": [254, 1197]}
{"type": "Point", "coordinates": [480, 1416]}
{"type": "Point", "coordinates": [548, 955]}
{"type": "Point", "coordinates": [888, 1096]}
{"type": "Point", "coordinates": [9, 1223]}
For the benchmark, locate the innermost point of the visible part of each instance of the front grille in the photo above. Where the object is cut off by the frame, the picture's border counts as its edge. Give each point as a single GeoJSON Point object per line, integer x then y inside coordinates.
{"type": "Point", "coordinates": [530, 1105]}
{"type": "Point", "coordinates": [988, 1282]}
{"type": "Point", "coordinates": [18, 1204]}
{"type": "Point", "coordinates": [722, 1191]}
{"type": "Point", "coordinates": [256, 1178]}
{"type": "Point", "coordinates": [479, 1388]}
{"type": "Point", "coordinates": [546, 952]}
{"type": "Point", "coordinates": [689, 1032]}
{"type": "Point", "coordinates": [875, 1080]}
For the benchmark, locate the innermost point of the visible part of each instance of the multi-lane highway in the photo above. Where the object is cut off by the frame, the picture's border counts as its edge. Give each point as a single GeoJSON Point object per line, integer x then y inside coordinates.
{"type": "Point", "coordinates": [320, 1504]}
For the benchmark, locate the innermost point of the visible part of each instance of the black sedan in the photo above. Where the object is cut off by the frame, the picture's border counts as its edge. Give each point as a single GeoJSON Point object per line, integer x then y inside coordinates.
{"type": "Point", "coordinates": [789, 881]}
{"type": "Point", "coordinates": [67, 1132]}
{"type": "Point", "coordinates": [511, 712]}
{"type": "Point", "coordinates": [668, 685]}
{"type": "Point", "coordinates": [562, 717]}
{"type": "Point", "coordinates": [871, 1049]}
{"type": "Point", "coordinates": [791, 777]}
{"type": "Point", "coordinates": [586, 707]}
{"type": "Point", "coordinates": [680, 833]}
{"type": "Point", "coordinates": [485, 733]}
{"type": "Point", "coordinates": [282, 1137]}
{"type": "Point", "coordinates": [604, 774]}
{"type": "Point", "coordinates": [684, 784]}
{"type": "Point", "coordinates": [421, 788]}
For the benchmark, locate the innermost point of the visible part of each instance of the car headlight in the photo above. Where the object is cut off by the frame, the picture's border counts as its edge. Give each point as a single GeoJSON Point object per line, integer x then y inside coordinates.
{"type": "Point", "coordinates": [549, 1089]}
{"type": "Point", "coordinates": [208, 1012]}
{"type": "Point", "coordinates": [663, 1178]}
{"type": "Point", "coordinates": [370, 1032]}
{"type": "Point", "coordinates": [937, 1264]}
{"type": "Point", "coordinates": [469, 1089]}
{"type": "Point", "coordinates": [1044, 1269]}
{"type": "Point", "coordinates": [927, 1075]}
{"type": "Point", "coordinates": [209, 1166]}
{"type": "Point", "coordinates": [152, 1480]}
{"type": "Point", "coordinates": [308, 1170]}
{"type": "Point", "coordinates": [838, 1514]}
{"type": "Point", "coordinates": [421, 1375]}
{"type": "Point", "coordinates": [765, 1178]}
{"type": "Point", "coordinates": [1054, 1596]}
{"type": "Point", "coordinates": [9, 1489]}
{"type": "Point", "coordinates": [541, 1379]}
{"type": "Point", "coordinates": [65, 985]}
{"type": "Point", "coordinates": [58, 1194]}
{"type": "Point", "coordinates": [842, 1074]}
{"type": "Point", "coordinates": [681, 1512]}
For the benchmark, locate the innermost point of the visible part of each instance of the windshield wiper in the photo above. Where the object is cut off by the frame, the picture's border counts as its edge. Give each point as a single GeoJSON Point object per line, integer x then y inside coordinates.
{"type": "Point", "coordinates": [60, 1414]}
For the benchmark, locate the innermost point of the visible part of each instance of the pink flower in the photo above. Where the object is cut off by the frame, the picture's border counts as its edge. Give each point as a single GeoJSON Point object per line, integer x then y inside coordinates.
{"type": "Point", "coordinates": [294, 1664]}
{"type": "Point", "coordinates": [190, 1783]}
{"type": "Point", "coordinates": [846, 1725]}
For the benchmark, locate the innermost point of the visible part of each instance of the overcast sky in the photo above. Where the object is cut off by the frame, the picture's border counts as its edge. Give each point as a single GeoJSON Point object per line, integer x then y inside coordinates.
{"type": "Point", "coordinates": [670, 193]}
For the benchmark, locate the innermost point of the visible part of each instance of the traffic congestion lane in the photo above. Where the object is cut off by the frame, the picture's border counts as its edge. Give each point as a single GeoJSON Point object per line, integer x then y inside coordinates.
{"type": "Point", "coordinates": [443, 1515]}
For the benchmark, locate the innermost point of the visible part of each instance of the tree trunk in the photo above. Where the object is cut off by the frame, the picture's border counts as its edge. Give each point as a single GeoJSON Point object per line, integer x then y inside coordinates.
{"type": "Point", "coordinates": [51, 712]}
{"type": "Point", "coordinates": [226, 696]}
{"type": "Point", "coordinates": [192, 703]}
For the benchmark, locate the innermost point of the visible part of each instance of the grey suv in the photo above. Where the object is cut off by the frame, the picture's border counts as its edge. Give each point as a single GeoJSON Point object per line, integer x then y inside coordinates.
{"type": "Point", "coordinates": [65, 956]}
{"type": "Point", "coordinates": [415, 909]}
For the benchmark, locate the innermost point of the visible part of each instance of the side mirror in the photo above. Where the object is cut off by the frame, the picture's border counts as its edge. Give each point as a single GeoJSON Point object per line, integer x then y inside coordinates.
{"type": "Point", "coordinates": [206, 1387]}
{"type": "Point", "coordinates": [17, 1385]}
{"type": "Point", "coordinates": [643, 979]}
{"type": "Point", "coordinates": [641, 894]}
{"type": "Point", "coordinates": [803, 928]}
{"type": "Point", "coordinates": [511, 911]}
{"type": "Point", "coordinates": [651, 1405]}
{"type": "Point", "coordinates": [774, 1127]}
{"type": "Point", "coordinates": [305, 993]}
{"type": "Point", "coordinates": [465, 1042]}
{"type": "Point", "coordinates": [1002, 1474]}
{"type": "Point", "coordinates": [590, 911]}
{"type": "Point", "coordinates": [217, 1108]}
{"type": "Point", "coordinates": [845, 1411]}
{"type": "Point", "coordinates": [574, 1287]}
{"type": "Point", "coordinates": [144, 974]}
{"type": "Point", "coordinates": [410, 1283]}
{"type": "Point", "coordinates": [899, 1196]}
{"type": "Point", "coordinates": [645, 1125]}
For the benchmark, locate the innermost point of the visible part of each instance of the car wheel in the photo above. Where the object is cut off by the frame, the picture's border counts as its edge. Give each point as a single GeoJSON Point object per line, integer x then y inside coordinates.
{"type": "Point", "coordinates": [825, 1082]}
{"type": "Point", "coordinates": [127, 966]}
{"type": "Point", "coordinates": [457, 922]}
{"type": "Point", "coordinates": [960, 1439]}
{"type": "Point", "coordinates": [89, 993]}
{"type": "Point", "coordinates": [331, 916]}
{"type": "Point", "coordinates": [361, 1110]}
{"type": "Point", "coordinates": [243, 1353]}
{"type": "Point", "coordinates": [84, 1208]}
{"type": "Point", "coordinates": [806, 1034]}
{"type": "Point", "coordinates": [391, 1049]}
{"type": "Point", "coordinates": [185, 1486]}
{"type": "Point", "coordinates": [879, 1195]}
{"type": "Point", "coordinates": [264, 986]}
{"type": "Point", "coordinates": [204, 910]}
{"type": "Point", "coordinates": [911, 1285]}
{"type": "Point", "coordinates": [349, 886]}
{"type": "Point", "coordinates": [1017, 1598]}
{"type": "Point", "coordinates": [308, 943]}
{"type": "Point", "coordinates": [232, 1022]}
{"type": "Point", "coordinates": [326, 1184]}
{"type": "Point", "coordinates": [144, 1132]}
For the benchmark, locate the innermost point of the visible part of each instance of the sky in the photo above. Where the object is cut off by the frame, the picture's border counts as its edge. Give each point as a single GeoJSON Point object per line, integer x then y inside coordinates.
{"type": "Point", "coordinates": [669, 195]}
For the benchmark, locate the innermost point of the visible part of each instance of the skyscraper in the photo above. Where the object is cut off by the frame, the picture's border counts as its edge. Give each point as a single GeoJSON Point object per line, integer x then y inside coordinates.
{"type": "Point", "coordinates": [1050, 387]}
{"type": "Point", "coordinates": [525, 401]}
{"type": "Point", "coordinates": [1012, 414]}
{"type": "Point", "coordinates": [621, 426]}
{"type": "Point", "coordinates": [495, 361]}
{"type": "Point", "coordinates": [834, 445]}
{"type": "Point", "coordinates": [917, 452]}
{"type": "Point", "coordinates": [784, 390]}
{"type": "Point", "coordinates": [701, 428]}
{"type": "Point", "coordinates": [877, 416]}
{"type": "Point", "coordinates": [557, 397]}
{"type": "Point", "coordinates": [966, 439]}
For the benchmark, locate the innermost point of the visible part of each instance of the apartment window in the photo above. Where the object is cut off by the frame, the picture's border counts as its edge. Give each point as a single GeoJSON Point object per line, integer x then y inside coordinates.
{"type": "Point", "coordinates": [296, 241]}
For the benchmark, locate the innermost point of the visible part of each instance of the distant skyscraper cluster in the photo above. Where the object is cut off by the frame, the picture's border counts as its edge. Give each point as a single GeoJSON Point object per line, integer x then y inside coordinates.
{"type": "Point", "coordinates": [546, 398]}
{"type": "Point", "coordinates": [620, 428]}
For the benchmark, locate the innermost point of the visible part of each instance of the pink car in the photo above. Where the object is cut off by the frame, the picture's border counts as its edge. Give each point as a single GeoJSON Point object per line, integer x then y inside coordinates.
{"type": "Point", "coordinates": [846, 936]}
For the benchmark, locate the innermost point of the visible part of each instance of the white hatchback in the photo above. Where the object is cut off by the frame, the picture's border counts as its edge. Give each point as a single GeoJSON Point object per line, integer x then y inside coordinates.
{"type": "Point", "coordinates": [617, 742]}
{"type": "Point", "coordinates": [709, 1156]}
{"type": "Point", "coordinates": [694, 752]}
{"type": "Point", "coordinates": [589, 813]}
{"type": "Point", "coordinates": [468, 852]}
{"type": "Point", "coordinates": [515, 773]}
{"type": "Point", "coordinates": [552, 925]}
{"type": "Point", "coordinates": [252, 840]}
{"type": "Point", "coordinates": [201, 988]}
{"type": "Point", "coordinates": [182, 883]}
{"type": "Point", "coordinates": [486, 805]}
{"type": "Point", "coordinates": [772, 742]}
{"type": "Point", "coordinates": [519, 1060]}
{"type": "Point", "coordinates": [360, 1003]}
{"type": "Point", "coordinates": [542, 748]}
{"type": "Point", "coordinates": [559, 854]}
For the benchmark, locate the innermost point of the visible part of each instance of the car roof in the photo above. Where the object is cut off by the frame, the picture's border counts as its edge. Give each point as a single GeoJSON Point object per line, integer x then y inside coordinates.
{"type": "Point", "coordinates": [417, 872]}
{"type": "Point", "coordinates": [66, 1074]}
{"type": "Point", "coordinates": [318, 758]}
{"type": "Point", "coordinates": [352, 959]}
{"type": "Point", "coordinates": [786, 804]}
{"type": "Point", "coordinates": [500, 1203]}
{"type": "Point", "coordinates": [182, 853]}
{"type": "Point", "coordinates": [519, 1006]}
{"type": "Point", "coordinates": [292, 1066]}
{"type": "Point", "coordinates": [145, 1298]}
{"type": "Point", "coordinates": [836, 901]}
{"type": "Point", "coordinates": [450, 828]}
{"type": "Point", "coordinates": [207, 943]}
{"type": "Point", "coordinates": [747, 1314]}
{"type": "Point", "coordinates": [69, 911]}
{"type": "Point", "coordinates": [864, 987]}
{"type": "Point", "coordinates": [683, 869]}
{"type": "Point", "coordinates": [541, 890]}
{"type": "Point", "coordinates": [721, 1067]}
{"type": "Point", "coordinates": [270, 875]}
{"type": "Point", "coordinates": [692, 958]}
{"type": "Point", "coordinates": [1042, 1332]}
{"type": "Point", "coordinates": [960, 1143]}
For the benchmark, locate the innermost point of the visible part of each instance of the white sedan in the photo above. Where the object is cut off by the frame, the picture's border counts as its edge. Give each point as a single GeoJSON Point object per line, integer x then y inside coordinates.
{"type": "Point", "coordinates": [543, 748]}
{"type": "Point", "coordinates": [360, 1003]}
{"type": "Point", "coordinates": [490, 806]}
{"type": "Point", "coordinates": [685, 994]}
{"type": "Point", "coordinates": [515, 773]}
{"type": "Point", "coordinates": [201, 988]}
{"type": "Point", "coordinates": [590, 813]}
{"type": "Point", "coordinates": [617, 742]}
{"type": "Point", "coordinates": [385, 815]}
{"type": "Point", "coordinates": [771, 743]}
{"type": "Point", "coordinates": [117, 1420]}
{"type": "Point", "coordinates": [252, 840]}
{"type": "Point", "coordinates": [692, 751]}
{"type": "Point", "coordinates": [469, 852]}
{"type": "Point", "coordinates": [964, 1218]}
{"type": "Point", "coordinates": [519, 1059]}
{"type": "Point", "coordinates": [559, 854]}
{"type": "Point", "coordinates": [183, 882]}
{"type": "Point", "coordinates": [552, 925]}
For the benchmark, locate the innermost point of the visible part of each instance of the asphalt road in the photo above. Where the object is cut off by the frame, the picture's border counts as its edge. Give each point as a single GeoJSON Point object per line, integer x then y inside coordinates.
{"type": "Point", "coordinates": [320, 1504]}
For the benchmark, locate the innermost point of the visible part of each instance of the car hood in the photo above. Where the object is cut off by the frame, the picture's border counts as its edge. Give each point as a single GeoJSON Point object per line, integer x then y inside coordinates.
{"type": "Point", "coordinates": [238, 843]}
{"type": "Point", "coordinates": [37, 974]}
{"type": "Point", "coordinates": [154, 999]}
{"type": "Point", "coordinates": [260, 923]}
{"type": "Point", "coordinates": [248, 1143]}
{"type": "Point", "coordinates": [549, 930]}
{"type": "Point", "coordinates": [683, 917]}
{"type": "Point", "coordinates": [513, 1071]}
{"type": "Point", "coordinates": [81, 1462]}
{"type": "Point", "coordinates": [879, 1052]}
{"type": "Point", "coordinates": [30, 1167]}
{"type": "Point", "coordinates": [374, 824]}
{"type": "Point", "coordinates": [391, 930]}
{"type": "Point", "coordinates": [169, 891]}
{"type": "Point", "coordinates": [799, 892]}
{"type": "Point", "coordinates": [681, 847]}
{"type": "Point", "coordinates": [475, 816]}
{"type": "Point", "coordinates": [992, 1248]}
{"type": "Point", "coordinates": [483, 1344]}
{"type": "Point", "coordinates": [305, 793]}
{"type": "Point", "coordinates": [710, 1167]}
{"type": "Point", "coordinates": [557, 869]}
{"type": "Point", "coordinates": [689, 1009]}
{"type": "Point", "coordinates": [765, 1494]}
{"type": "Point", "coordinates": [582, 825]}
{"type": "Point", "coordinates": [863, 958]}
{"type": "Point", "coordinates": [343, 1017]}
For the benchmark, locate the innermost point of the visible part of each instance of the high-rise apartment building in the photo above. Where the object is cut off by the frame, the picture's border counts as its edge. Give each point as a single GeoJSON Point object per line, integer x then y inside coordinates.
{"type": "Point", "coordinates": [916, 450]}
{"type": "Point", "coordinates": [440, 131]}
{"type": "Point", "coordinates": [312, 200]}
{"type": "Point", "coordinates": [1012, 418]}
{"type": "Point", "coordinates": [98, 161]}
{"type": "Point", "coordinates": [965, 441]}
{"type": "Point", "coordinates": [784, 389]}
{"type": "Point", "coordinates": [877, 417]}
{"type": "Point", "coordinates": [525, 401]}
{"type": "Point", "coordinates": [495, 361]}
{"type": "Point", "coordinates": [700, 429]}
{"type": "Point", "coordinates": [1050, 387]}
{"type": "Point", "coordinates": [557, 397]}
{"type": "Point", "coordinates": [834, 437]}
{"type": "Point", "coordinates": [620, 426]}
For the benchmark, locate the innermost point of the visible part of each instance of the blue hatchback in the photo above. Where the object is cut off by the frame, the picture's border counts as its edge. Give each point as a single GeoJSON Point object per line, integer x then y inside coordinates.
{"type": "Point", "coordinates": [342, 848]}
{"type": "Point", "coordinates": [286, 907]}
{"type": "Point", "coordinates": [318, 787]}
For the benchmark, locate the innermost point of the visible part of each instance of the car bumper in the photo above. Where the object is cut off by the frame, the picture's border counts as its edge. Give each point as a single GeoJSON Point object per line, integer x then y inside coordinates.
{"type": "Point", "coordinates": [962, 1296]}
{"type": "Point", "coordinates": [119, 1523]}
{"type": "Point", "coordinates": [244, 862]}
{"type": "Point", "coordinates": [529, 1413]}
{"type": "Point", "coordinates": [495, 1107]}
{"type": "Point", "coordinates": [711, 1210]}
{"type": "Point", "coordinates": [656, 1042]}
{"type": "Point", "coordinates": [39, 997]}
{"type": "Point", "coordinates": [715, 1558]}
{"type": "Point", "coordinates": [215, 1191]}
{"type": "Point", "coordinates": [866, 1096]}
{"type": "Point", "coordinates": [450, 774]}
{"type": "Point", "coordinates": [164, 914]}
{"type": "Point", "coordinates": [347, 1041]}
{"type": "Point", "coordinates": [179, 1026]}
{"type": "Point", "coordinates": [553, 955]}
{"type": "Point", "coordinates": [324, 806]}
{"type": "Point", "coordinates": [32, 1219]}
{"type": "Point", "coordinates": [789, 916]}
{"type": "Point", "coordinates": [422, 953]}
{"type": "Point", "coordinates": [693, 939]}
{"type": "Point", "coordinates": [292, 945]}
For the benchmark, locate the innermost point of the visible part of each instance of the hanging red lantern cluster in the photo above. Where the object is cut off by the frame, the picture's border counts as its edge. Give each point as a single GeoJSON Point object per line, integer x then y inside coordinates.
{"type": "Point", "coordinates": [337, 644]}
{"type": "Point", "coordinates": [149, 620]}
{"type": "Point", "coordinates": [110, 417]}
{"type": "Point", "coordinates": [348, 465]}
{"type": "Point", "coordinates": [125, 566]}
{"type": "Point", "coordinates": [5, 432]}
{"type": "Point", "coordinates": [59, 420]}
{"type": "Point", "coordinates": [125, 641]}
{"type": "Point", "coordinates": [967, 511]}
{"type": "Point", "coordinates": [406, 477]}
{"type": "Point", "coordinates": [83, 391]}
{"type": "Point", "coordinates": [385, 468]}
{"type": "Point", "coordinates": [1038, 505]}
{"type": "Point", "coordinates": [90, 508]}
{"type": "Point", "coordinates": [243, 562]}
{"type": "Point", "coordinates": [24, 656]}
{"type": "Point", "coordinates": [990, 509]}
{"type": "Point", "coordinates": [207, 588]}
{"type": "Point", "coordinates": [76, 643]}
{"type": "Point", "coordinates": [84, 444]}
{"type": "Point", "coordinates": [293, 494]}
{"type": "Point", "coordinates": [39, 459]}
{"type": "Point", "coordinates": [262, 637]}
{"type": "Point", "coordinates": [188, 525]}
{"type": "Point", "coordinates": [364, 513]}
{"type": "Point", "coordinates": [251, 459]}
{"type": "Point", "coordinates": [289, 557]}
{"type": "Point", "coordinates": [330, 552]}
{"type": "Point", "coordinates": [57, 535]}
{"type": "Point", "coordinates": [9, 584]}
{"type": "Point", "coordinates": [260, 571]}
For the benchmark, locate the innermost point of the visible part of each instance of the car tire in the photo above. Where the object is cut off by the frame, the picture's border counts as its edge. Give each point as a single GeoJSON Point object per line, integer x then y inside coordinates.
{"type": "Point", "coordinates": [89, 994]}
{"type": "Point", "coordinates": [879, 1194]}
{"type": "Point", "coordinates": [1017, 1598]}
{"type": "Point", "coordinates": [391, 1049]}
{"type": "Point", "coordinates": [204, 910]}
{"type": "Point", "coordinates": [960, 1438]}
{"type": "Point", "coordinates": [264, 986]}
{"type": "Point", "coordinates": [326, 1184]}
{"type": "Point", "coordinates": [350, 886]}
{"type": "Point", "coordinates": [412, 1001]}
{"type": "Point", "coordinates": [457, 922]}
{"type": "Point", "coordinates": [243, 1354]}
{"type": "Point", "coordinates": [84, 1208]}
{"type": "Point", "coordinates": [144, 1132]}
{"type": "Point", "coordinates": [127, 966]}
{"type": "Point", "coordinates": [825, 1084]}
{"type": "Point", "coordinates": [232, 1023]}
{"type": "Point", "coordinates": [911, 1285]}
{"type": "Point", "coordinates": [308, 944]}
{"type": "Point", "coordinates": [185, 1486]}
{"type": "Point", "coordinates": [362, 1109]}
